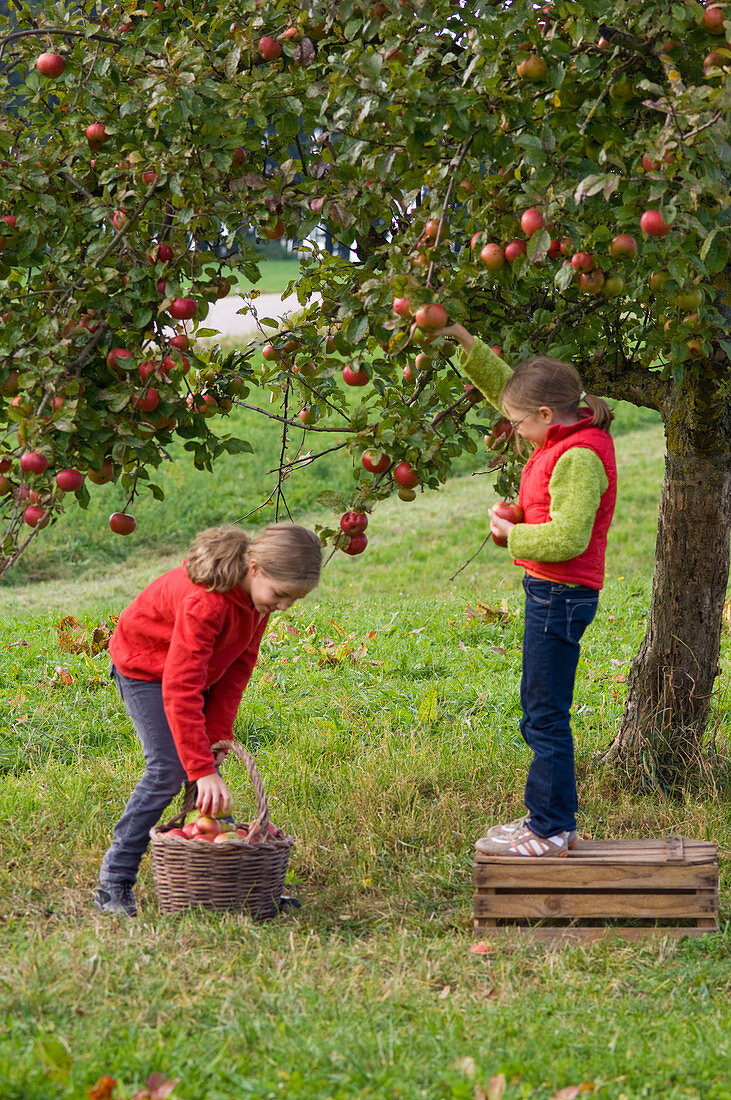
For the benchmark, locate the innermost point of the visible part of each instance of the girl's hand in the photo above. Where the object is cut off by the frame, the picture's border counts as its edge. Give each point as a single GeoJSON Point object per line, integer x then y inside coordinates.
{"type": "Point", "coordinates": [214, 797]}
{"type": "Point", "coordinates": [458, 333]}
{"type": "Point", "coordinates": [499, 527]}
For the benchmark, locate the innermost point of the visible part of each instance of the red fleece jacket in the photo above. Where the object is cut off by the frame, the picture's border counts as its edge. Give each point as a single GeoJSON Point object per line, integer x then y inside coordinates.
{"type": "Point", "coordinates": [202, 646]}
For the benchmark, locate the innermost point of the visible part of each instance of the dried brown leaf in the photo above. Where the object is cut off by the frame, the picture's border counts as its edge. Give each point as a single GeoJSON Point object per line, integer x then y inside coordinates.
{"type": "Point", "coordinates": [103, 1089]}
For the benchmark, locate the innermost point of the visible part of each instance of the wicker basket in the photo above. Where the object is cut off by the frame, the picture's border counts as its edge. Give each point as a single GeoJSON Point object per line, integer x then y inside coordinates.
{"type": "Point", "coordinates": [238, 875]}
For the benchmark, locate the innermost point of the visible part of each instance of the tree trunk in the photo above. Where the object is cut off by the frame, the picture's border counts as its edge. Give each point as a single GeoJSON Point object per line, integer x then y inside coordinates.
{"type": "Point", "coordinates": [661, 740]}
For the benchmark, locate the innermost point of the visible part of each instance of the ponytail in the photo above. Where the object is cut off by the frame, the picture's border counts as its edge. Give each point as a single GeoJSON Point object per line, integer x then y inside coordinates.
{"type": "Point", "coordinates": [602, 415]}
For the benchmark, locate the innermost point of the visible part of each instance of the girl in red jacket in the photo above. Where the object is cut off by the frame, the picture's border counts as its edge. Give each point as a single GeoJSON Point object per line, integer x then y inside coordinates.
{"type": "Point", "coordinates": [567, 495]}
{"type": "Point", "coordinates": [182, 654]}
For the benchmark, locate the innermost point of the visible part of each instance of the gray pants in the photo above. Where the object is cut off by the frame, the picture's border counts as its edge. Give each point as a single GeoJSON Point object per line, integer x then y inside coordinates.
{"type": "Point", "coordinates": [161, 782]}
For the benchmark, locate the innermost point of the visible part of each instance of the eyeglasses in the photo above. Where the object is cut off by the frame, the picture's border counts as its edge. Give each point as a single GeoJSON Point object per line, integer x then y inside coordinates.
{"type": "Point", "coordinates": [515, 424]}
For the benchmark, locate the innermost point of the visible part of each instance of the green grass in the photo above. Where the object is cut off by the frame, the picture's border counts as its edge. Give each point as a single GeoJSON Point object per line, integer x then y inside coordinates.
{"type": "Point", "coordinates": [274, 276]}
{"type": "Point", "coordinates": [385, 758]}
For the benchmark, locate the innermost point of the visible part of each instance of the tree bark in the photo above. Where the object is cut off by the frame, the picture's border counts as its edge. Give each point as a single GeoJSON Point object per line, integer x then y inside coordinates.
{"type": "Point", "coordinates": [661, 739]}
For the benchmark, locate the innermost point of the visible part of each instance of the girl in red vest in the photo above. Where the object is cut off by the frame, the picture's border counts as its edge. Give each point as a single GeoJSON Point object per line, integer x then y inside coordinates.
{"type": "Point", "coordinates": [567, 495]}
{"type": "Point", "coordinates": [182, 654]}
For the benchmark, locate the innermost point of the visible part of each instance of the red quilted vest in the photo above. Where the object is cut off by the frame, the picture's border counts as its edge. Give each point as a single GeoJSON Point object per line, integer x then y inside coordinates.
{"type": "Point", "coordinates": [535, 500]}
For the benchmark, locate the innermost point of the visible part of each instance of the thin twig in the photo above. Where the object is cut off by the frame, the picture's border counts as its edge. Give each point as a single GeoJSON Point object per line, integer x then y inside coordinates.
{"type": "Point", "coordinates": [477, 551]}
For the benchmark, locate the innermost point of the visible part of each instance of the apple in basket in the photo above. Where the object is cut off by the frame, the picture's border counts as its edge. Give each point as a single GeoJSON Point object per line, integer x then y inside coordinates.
{"type": "Point", "coordinates": [206, 826]}
{"type": "Point", "coordinates": [226, 838]}
{"type": "Point", "coordinates": [177, 832]}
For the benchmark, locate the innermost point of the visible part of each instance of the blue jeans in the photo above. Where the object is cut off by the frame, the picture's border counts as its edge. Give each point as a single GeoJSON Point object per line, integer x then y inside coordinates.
{"type": "Point", "coordinates": [163, 778]}
{"type": "Point", "coordinates": [556, 616]}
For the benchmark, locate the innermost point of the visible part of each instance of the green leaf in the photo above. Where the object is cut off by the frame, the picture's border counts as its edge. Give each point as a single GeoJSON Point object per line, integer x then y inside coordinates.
{"type": "Point", "coordinates": [237, 446]}
{"type": "Point", "coordinates": [538, 246]}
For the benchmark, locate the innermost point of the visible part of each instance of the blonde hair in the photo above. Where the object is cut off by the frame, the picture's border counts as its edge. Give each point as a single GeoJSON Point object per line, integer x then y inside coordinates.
{"type": "Point", "coordinates": [555, 384]}
{"type": "Point", "coordinates": [219, 557]}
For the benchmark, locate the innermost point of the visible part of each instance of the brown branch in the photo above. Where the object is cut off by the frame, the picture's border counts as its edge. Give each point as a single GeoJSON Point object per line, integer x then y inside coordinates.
{"type": "Point", "coordinates": [292, 422]}
{"type": "Point", "coordinates": [477, 551]}
{"type": "Point", "coordinates": [456, 164]}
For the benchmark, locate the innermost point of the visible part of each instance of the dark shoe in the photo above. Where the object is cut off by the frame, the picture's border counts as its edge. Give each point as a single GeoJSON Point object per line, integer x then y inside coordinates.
{"type": "Point", "coordinates": [116, 897]}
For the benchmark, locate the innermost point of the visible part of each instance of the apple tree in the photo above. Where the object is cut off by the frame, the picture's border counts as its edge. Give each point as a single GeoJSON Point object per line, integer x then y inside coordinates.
{"type": "Point", "coordinates": [553, 176]}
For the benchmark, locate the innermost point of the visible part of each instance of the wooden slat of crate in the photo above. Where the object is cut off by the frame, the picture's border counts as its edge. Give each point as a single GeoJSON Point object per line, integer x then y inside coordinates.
{"type": "Point", "coordinates": [669, 878]}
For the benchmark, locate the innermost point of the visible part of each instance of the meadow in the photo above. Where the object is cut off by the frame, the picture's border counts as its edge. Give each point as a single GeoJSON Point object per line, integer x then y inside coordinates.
{"type": "Point", "coordinates": [383, 715]}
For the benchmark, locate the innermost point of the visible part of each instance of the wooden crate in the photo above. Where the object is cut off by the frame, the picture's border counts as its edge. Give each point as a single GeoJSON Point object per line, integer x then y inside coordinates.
{"type": "Point", "coordinates": [632, 888]}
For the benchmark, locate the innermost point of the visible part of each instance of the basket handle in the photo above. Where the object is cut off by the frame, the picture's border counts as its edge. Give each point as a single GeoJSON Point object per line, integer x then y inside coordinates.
{"type": "Point", "coordinates": [191, 789]}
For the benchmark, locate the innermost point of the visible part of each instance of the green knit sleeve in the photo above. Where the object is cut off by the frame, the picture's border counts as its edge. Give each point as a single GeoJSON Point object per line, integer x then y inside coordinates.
{"type": "Point", "coordinates": [487, 370]}
{"type": "Point", "coordinates": [576, 486]}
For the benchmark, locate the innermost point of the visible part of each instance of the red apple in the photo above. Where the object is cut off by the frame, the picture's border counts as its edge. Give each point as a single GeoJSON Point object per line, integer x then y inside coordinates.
{"type": "Point", "coordinates": [502, 432]}
{"type": "Point", "coordinates": [35, 516]}
{"type": "Point", "coordinates": [475, 239]}
{"type": "Point", "coordinates": [50, 64]}
{"type": "Point", "coordinates": [207, 825]}
{"type": "Point", "coordinates": [533, 69]}
{"type": "Point", "coordinates": [623, 246]}
{"type": "Point", "coordinates": [492, 256]}
{"type": "Point", "coordinates": [375, 465]}
{"type": "Point", "coordinates": [148, 401]}
{"type": "Point", "coordinates": [180, 341]}
{"type": "Point", "coordinates": [402, 306]}
{"type": "Point", "coordinates": [695, 348]}
{"type": "Point", "coordinates": [122, 523]}
{"type": "Point", "coordinates": [177, 832]}
{"type": "Point", "coordinates": [116, 359]}
{"type": "Point", "coordinates": [592, 281]}
{"type": "Point", "coordinates": [653, 224]}
{"type": "Point", "coordinates": [238, 156]}
{"type": "Point", "coordinates": [356, 545]}
{"type": "Point", "coordinates": [96, 135]}
{"type": "Point", "coordinates": [582, 261]}
{"type": "Point", "coordinates": [182, 309]}
{"type": "Point", "coordinates": [149, 176]}
{"type": "Point", "coordinates": [69, 480]}
{"type": "Point", "coordinates": [269, 49]}
{"type": "Point", "coordinates": [472, 394]}
{"type": "Point", "coordinates": [513, 250]}
{"type": "Point", "coordinates": [103, 475]}
{"type": "Point", "coordinates": [432, 228]}
{"type": "Point", "coordinates": [507, 510]}
{"type": "Point", "coordinates": [405, 475]}
{"type": "Point", "coordinates": [354, 377]}
{"type": "Point", "coordinates": [713, 19]}
{"type": "Point", "coordinates": [431, 317]}
{"type": "Point", "coordinates": [353, 523]}
{"type": "Point", "coordinates": [33, 462]}
{"type": "Point", "coordinates": [554, 249]}
{"type": "Point", "coordinates": [531, 221]}
{"type": "Point", "coordinates": [160, 253]}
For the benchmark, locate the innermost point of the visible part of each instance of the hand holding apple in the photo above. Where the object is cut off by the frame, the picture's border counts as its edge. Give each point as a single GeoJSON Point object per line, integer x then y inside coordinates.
{"type": "Point", "coordinates": [503, 518]}
{"type": "Point", "coordinates": [214, 797]}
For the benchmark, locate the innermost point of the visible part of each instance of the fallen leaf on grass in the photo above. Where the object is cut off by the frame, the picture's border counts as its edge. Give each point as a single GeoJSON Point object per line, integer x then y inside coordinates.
{"type": "Point", "coordinates": [74, 637]}
{"type": "Point", "coordinates": [495, 1088]}
{"type": "Point", "coordinates": [158, 1088]}
{"type": "Point", "coordinates": [486, 614]}
{"type": "Point", "coordinates": [22, 641]}
{"type": "Point", "coordinates": [103, 1089]}
{"type": "Point", "coordinates": [572, 1091]}
{"type": "Point", "coordinates": [62, 674]}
